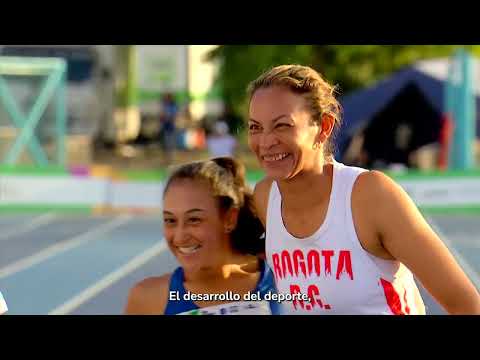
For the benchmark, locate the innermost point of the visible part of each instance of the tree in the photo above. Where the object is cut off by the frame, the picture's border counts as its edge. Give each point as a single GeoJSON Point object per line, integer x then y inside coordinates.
{"type": "Point", "coordinates": [239, 64]}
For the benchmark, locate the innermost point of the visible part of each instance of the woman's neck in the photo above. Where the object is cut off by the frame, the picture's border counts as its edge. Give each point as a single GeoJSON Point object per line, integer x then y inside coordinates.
{"type": "Point", "coordinates": [308, 187]}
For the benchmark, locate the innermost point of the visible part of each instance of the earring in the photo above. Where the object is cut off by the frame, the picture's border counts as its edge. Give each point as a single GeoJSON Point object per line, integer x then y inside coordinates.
{"type": "Point", "coordinates": [316, 146]}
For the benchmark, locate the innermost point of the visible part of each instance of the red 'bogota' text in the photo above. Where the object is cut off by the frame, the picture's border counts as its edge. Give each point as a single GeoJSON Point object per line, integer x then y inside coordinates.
{"type": "Point", "coordinates": [315, 263]}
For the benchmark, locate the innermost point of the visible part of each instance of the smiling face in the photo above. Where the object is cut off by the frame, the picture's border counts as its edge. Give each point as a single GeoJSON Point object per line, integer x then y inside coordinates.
{"type": "Point", "coordinates": [282, 134]}
{"type": "Point", "coordinates": [194, 226]}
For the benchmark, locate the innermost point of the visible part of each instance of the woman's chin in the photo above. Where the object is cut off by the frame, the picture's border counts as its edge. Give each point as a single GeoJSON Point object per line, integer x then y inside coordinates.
{"type": "Point", "coordinates": [191, 263]}
{"type": "Point", "coordinates": [190, 267]}
{"type": "Point", "coordinates": [278, 170]}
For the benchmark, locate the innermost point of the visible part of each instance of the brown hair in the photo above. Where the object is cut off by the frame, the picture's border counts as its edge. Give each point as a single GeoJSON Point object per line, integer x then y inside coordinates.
{"type": "Point", "coordinates": [304, 80]}
{"type": "Point", "coordinates": [226, 177]}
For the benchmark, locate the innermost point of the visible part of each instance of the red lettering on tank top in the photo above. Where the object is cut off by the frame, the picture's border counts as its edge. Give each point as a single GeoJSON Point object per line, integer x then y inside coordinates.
{"type": "Point", "coordinates": [344, 263]}
{"type": "Point", "coordinates": [295, 289]}
{"type": "Point", "coordinates": [327, 255]}
{"type": "Point", "coordinates": [392, 297]}
{"type": "Point", "coordinates": [313, 261]}
{"type": "Point", "coordinates": [299, 261]}
{"type": "Point", "coordinates": [276, 266]}
{"type": "Point", "coordinates": [286, 263]}
{"type": "Point", "coordinates": [407, 308]}
{"type": "Point", "coordinates": [314, 296]}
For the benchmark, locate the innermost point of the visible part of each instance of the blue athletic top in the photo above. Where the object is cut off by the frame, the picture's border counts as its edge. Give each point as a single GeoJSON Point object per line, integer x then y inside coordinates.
{"type": "Point", "coordinates": [265, 284]}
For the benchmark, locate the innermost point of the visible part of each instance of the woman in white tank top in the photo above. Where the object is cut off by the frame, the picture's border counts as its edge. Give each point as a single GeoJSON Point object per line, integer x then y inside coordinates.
{"type": "Point", "coordinates": [350, 239]}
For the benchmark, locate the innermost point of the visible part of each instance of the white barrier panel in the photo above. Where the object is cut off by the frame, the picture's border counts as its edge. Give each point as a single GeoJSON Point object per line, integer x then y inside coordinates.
{"type": "Point", "coordinates": [135, 194]}
{"type": "Point", "coordinates": [443, 192]}
{"type": "Point", "coordinates": [96, 191]}
{"type": "Point", "coordinates": [61, 190]}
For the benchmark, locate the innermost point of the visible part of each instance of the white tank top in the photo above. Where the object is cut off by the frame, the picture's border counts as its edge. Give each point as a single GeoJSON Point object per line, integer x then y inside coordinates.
{"type": "Point", "coordinates": [3, 305]}
{"type": "Point", "coordinates": [331, 266]}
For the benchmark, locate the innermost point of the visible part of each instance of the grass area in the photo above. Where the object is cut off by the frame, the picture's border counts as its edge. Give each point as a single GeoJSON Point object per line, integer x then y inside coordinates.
{"type": "Point", "coordinates": [26, 170]}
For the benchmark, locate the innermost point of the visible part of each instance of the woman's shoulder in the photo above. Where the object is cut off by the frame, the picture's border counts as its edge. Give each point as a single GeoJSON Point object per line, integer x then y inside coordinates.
{"type": "Point", "coordinates": [153, 283]}
{"type": "Point", "coordinates": [375, 184]}
{"type": "Point", "coordinates": [380, 200]}
{"type": "Point", "coordinates": [262, 189]}
{"type": "Point", "coordinates": [261, 193]}
{"type": "Point", "coordinates": [149, 295]}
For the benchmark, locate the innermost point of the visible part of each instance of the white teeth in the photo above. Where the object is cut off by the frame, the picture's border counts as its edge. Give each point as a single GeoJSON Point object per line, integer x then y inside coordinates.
{"type": "Point", "coordinates": [188, 250]}
{"type": "Point", "coordinates": [275, 157]}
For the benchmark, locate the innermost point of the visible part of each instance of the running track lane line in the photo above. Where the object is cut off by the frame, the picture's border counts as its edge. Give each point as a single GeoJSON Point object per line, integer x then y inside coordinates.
{"type": "Point", "coordinates": [53, 250]}
{"type": "Point", "coordinates": [470, 272]}
{"type": "Point", "coordinates": [32, 225]}
{"type": "Point", "coordinates": [110, 279]}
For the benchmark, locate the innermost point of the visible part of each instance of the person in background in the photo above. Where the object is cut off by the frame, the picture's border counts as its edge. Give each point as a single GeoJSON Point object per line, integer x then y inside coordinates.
{"type": "Point", "coordinates": [220, 142]}
{"type": "Point", "coordinates": [233, 121]}
{"type": "Point", "coordinates": [168, 115]}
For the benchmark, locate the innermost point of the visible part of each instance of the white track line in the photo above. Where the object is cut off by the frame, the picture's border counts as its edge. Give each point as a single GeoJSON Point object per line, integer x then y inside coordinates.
{"type": "Point", "coordinates": [471, 273]}
{"type": "Point", "coordinates": [33, 224]}
{"type": "Point", "coordinates": [50, 251]}
{"type": "Point", "coordinates": [108, 280]}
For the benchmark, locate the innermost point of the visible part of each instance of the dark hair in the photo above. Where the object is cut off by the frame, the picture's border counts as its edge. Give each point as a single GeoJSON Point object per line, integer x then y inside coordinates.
{"type": "Point", "coordinates": [226, 177]}
{"type": "Point", "coordinates": [304, 80]}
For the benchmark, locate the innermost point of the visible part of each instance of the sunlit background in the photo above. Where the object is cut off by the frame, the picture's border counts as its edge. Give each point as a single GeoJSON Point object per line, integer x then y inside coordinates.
{"type": "Point", "coordinates": [87, 133]}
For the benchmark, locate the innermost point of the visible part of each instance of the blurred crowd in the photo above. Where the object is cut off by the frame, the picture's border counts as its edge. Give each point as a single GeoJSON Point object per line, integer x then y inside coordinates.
{"type": "Point", "coordinates": [174, 129]}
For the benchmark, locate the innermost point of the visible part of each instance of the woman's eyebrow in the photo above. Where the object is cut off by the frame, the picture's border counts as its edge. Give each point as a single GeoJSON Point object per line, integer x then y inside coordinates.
{"type": "Point", "coordinates": [273, 120]}
{"type": "Point", "coordinates": [194, 210]}
{"type": "Point", "coordinates": [166, 212]}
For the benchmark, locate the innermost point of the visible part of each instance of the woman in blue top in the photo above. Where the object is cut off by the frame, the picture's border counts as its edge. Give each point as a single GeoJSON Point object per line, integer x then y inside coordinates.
{"type": "Point", "coordinates": [212, 229]}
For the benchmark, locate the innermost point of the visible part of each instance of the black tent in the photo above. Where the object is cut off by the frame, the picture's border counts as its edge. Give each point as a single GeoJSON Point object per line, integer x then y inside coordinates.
{"type": "Point", "coordinates": [401, 113]}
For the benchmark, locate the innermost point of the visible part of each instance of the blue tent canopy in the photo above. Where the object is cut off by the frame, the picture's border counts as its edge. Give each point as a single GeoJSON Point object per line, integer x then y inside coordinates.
{"type": "Point", "coordinates": [361, 106]}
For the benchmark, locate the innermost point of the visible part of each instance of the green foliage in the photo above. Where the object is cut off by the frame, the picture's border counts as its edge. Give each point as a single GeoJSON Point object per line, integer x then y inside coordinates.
{"type": "Point", "coordinates": [240, 64]}
{"type": "Point", "coordinates": [125, 91]}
